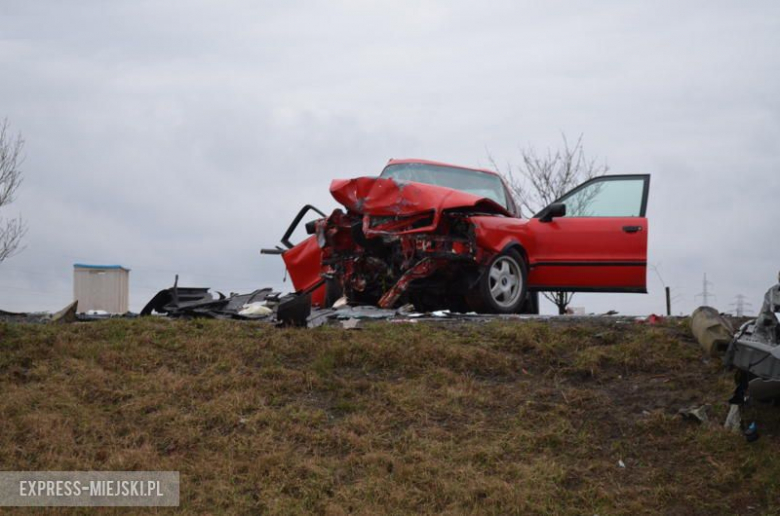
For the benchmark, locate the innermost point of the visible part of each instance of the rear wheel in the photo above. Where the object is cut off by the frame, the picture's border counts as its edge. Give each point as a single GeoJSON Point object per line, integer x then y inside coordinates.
{"type": "Point", "coordinates": [502, 287]}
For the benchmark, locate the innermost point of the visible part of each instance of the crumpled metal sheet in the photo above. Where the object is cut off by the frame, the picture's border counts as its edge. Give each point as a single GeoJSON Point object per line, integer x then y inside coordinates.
{"type": "Point", "coordinates": [766, 324]}
{"type": "Point", "coordinates": [199, 302]}
{"type": "Point", "coordinates": [756, 346]}
{"type": "Point", "coordinates": [386, 196]}
{"type": "Point", "coordinates": [321, 317]}
{"type": "Point", "coordinates": [695, 413]}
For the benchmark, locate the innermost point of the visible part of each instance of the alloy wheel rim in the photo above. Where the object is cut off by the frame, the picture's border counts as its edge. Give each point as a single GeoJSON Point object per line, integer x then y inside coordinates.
{"type": "Point", "coordinates": [505, 281]}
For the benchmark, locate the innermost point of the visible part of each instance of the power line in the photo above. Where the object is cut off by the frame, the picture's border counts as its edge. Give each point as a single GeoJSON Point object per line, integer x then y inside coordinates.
{"type": "Point", "coordinates": [705, 293]}
{"type": "Point", "coordinates": [740, 305]}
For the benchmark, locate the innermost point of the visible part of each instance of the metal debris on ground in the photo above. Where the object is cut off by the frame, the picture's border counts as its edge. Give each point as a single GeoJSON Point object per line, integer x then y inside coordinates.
{"type": "Point", "coordinates": [733, 419]}
{"type": "Point", "coordinates": [755, 348]}
{"type": "Point", "coordinates": [199, 302]}
{"type": "Point", "coordinates": [350, 324]}
{"type": "Point", "coordinates": [67, 314]}
{"type": "Point", "coordinates": [257, 309]}
{"type": "Point", "coordinates": [294, 310]}
{"type": "Point", "coordinates": [695, 413]}
{"type": "Point", "coordinates": [322, 316]}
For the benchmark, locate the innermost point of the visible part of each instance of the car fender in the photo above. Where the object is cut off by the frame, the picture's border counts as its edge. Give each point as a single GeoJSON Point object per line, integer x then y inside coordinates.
{"type": "Point", "coordinates": [498, 234]}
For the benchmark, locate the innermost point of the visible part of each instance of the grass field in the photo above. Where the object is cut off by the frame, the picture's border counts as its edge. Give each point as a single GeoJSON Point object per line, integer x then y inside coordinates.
{"type": "Point", "coordinates": [496, 418]}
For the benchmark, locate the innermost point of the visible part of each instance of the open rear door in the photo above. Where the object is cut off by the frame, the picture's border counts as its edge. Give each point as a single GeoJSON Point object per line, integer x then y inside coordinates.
{"type": "Point", "coordinates": [600, 244]}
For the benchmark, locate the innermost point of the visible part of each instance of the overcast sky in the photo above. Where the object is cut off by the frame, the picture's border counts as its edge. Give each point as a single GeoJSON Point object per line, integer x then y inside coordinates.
{"type": "Point", "coordinates": [182, 136]}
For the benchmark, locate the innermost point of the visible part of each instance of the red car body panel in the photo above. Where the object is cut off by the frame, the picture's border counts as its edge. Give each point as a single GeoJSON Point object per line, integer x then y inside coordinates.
{"type": "Point", "coordinates": [573, 254]}
{"type": "Point", "coordinates": [425, 224]}
{"type": "Point", "coordinates": [304, 263]}
{"type": "Point", "coordinates": [498, 233]}
{"type": "Point", "coordinates": [380, 196]}
{"type": "Point", "coordinates": [588, 254]}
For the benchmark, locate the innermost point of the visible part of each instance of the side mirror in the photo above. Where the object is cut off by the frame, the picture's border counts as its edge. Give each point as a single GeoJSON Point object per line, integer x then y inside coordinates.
{"type": "Point", "coordinates": [556, 209]}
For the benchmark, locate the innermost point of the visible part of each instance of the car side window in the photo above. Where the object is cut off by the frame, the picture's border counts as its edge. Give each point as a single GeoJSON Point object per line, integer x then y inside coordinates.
{"type": "Point", "coordinates": [607, 197]}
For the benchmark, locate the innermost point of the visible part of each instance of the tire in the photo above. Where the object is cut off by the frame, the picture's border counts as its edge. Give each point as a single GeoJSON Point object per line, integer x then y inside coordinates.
{"type": "Point", "coordinates": [501, 288]}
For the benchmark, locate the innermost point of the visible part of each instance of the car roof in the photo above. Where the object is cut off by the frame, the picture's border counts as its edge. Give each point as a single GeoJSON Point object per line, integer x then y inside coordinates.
{"type": "Point", "coordinates": [437, 163]}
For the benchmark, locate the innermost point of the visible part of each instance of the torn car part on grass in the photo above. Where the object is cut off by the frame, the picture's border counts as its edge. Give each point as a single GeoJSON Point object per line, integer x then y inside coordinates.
{"type": "Point", "coordinates": [695, 413]}
{"type": "Point", "coordinates": [199, 302]}
{"type": "Point", "coordinates": [713, 332]}
{"type": "Point", "coordinates": [755, 348]}
{"type": "Point", "coordinates": [441, 236]}
{"type": "Point", "coordinates": [755, 352]}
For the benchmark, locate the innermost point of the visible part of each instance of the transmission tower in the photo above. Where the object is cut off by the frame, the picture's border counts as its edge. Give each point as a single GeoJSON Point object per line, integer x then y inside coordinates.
{"type": "Point", "coordinates": [740, 305]}
{"type": "Point", "coordinates": [705, 293]}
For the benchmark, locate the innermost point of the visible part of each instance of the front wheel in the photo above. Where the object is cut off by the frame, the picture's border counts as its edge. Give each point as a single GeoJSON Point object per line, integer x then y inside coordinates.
{"type": "Point", "coordinates": [501, 288]}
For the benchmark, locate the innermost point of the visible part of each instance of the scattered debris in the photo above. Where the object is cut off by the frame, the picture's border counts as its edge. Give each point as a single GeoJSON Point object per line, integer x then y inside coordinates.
{"type": "Point", "coordinates": [712, 330]}
{"type": "Point", "coordinates": [256, 309]}
{"type": "Point", "coordinates": [751, 434]}
{"type": "Point", "coordinates": [650, 319]}
{"type": "Point", "coordinates": [294, 310]}
{"type": "Point", "coordinates": [755, 348]}
{"type": "Point", "coordinates": [67, 314]}
{"type": "Point", "coordinates": [364, 312]}
{"type": "Point", "coordinates": [198, 302]}
{"type": "Point", "coordinates": [733, 419]}
{"type": "Point", "coordinates": [695, 413]}
{"type": "Point", "coordinates": [350, 324]}
{"type": "Point", "coordinates": [3, 313]}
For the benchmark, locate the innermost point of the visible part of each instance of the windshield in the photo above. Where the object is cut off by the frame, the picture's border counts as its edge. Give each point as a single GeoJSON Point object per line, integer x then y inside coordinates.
{"type": "Point", "coordinates": [477, 183]}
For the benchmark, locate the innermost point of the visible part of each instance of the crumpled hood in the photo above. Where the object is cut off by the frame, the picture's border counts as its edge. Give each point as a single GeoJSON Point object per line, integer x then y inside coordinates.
{"type": "Point", "coordinates": [387, 197]}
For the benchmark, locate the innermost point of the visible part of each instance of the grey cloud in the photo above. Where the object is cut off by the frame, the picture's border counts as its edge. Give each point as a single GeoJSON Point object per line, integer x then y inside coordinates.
{"type": "Point", "coordinates": [183, 136]}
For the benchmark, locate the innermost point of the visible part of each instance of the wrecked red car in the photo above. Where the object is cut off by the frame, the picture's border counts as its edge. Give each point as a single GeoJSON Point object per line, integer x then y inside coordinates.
{"type": "Point", "coordinates": [445, 236]}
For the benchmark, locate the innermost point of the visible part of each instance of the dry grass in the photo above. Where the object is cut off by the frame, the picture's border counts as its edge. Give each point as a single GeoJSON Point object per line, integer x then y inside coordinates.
{"type": "Point", "coordinates": [498, 418]}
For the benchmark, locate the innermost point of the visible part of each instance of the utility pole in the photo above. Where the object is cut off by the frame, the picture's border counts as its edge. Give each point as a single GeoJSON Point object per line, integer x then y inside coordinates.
{"type": "Point", "coordinates": [668, 301]}
{"type": "Point", "coordinates": [667, 290]}
{"type": "Point", "coordinates": [705, 293]}
{"type": "Point", "coordinates": [740, 305]}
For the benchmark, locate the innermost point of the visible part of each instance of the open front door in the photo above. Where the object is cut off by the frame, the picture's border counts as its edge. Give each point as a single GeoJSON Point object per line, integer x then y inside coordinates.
{"type": "Point", "coordinates": [303, 260]}
{"type": "Point", "coordinates": [600, 244]}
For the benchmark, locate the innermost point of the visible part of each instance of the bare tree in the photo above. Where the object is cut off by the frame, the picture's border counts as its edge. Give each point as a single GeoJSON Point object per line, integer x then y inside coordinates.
{"type": "Point", "coordinates": [11, 229]}
{"type": "Point", "coordinates": [541, 179]}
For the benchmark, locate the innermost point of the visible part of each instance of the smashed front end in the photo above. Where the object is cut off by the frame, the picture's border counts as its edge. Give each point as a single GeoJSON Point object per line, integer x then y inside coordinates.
{"type": "Point", "coordinates": [402, 242]}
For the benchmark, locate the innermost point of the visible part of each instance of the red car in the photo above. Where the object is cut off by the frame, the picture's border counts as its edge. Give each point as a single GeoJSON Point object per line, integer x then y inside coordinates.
{"type": "Point", "coordinates": [445, 236]}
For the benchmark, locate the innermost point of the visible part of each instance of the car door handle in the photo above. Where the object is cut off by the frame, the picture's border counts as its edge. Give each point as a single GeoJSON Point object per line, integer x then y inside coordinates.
{"type": "Point", "coordinates": [632, 229]}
